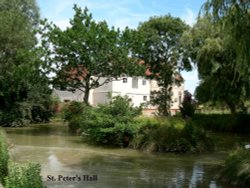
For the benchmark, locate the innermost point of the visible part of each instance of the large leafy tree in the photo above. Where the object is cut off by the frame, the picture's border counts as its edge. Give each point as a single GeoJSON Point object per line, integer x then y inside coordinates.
{"type": "Point", "coordinates": [163, 56]}
{"type": "Point", "coordinates": [233, 17]}
{"type": "Point", "coordinates": [24, 91]}
{"type": "Point", "coordinates": [87, 54]}
{"type": "Point", "coordinates": [210, 49]}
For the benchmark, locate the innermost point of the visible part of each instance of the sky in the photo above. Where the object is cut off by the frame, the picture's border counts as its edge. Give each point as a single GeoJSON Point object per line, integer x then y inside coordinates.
{"type": "Point", "coordinates": [122, 13]}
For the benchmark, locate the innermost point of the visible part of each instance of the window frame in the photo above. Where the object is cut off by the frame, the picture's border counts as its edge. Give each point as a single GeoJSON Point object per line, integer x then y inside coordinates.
{"type": "Point", "coordinates": [124, 80]}
{"type": "Point", "coordinates": [135, 84]}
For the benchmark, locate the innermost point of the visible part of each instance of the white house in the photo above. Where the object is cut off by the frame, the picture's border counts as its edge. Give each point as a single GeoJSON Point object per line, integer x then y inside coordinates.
{"type": "Point", "coordinates": [136, 88]}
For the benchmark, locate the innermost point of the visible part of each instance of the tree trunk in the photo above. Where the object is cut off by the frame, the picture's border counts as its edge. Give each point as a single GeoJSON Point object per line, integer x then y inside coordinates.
{"type": "Point", "coordinates": [87, 90]}
{"type": "Point", "coordinates": [165, 106]}
{"type": "Point", "coordinates": [86, 96]}
{"type": "Point", "coordinates": [232, 107]}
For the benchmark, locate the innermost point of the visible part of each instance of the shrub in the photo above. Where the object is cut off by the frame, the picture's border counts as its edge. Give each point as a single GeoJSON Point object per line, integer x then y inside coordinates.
{"type": "Point", "coordinates": [21, 176]}
{"type": "Point", "coordinates": [73, 114]}
{"type": "Point", "coordinates": [111, 124]}
{"type": "Point", "coordinates": [171, 135]}
{"type": "Point", "coordinates": [4, 156]}
{"type": "Point", "coordinates": [74, 108]}
{"type": "Point", "coordinates": [187, 107]}
{"type": "Point", "coordinates": [237, 168]}
{"type": "Point", "coordinates": [224, 122]}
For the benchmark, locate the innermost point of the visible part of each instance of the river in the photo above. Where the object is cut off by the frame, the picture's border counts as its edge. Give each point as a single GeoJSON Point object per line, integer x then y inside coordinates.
{"type": "Point", "coordinates": [68, 162]}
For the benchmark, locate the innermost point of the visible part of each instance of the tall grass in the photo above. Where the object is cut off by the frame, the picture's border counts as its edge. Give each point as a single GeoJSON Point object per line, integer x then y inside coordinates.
{"type": "Point", "coordinates": [237, 168]}
{"type": "Point", "coordinates": [24, 176]}
{"type": "Point", "coordinates": [171, 135]}
{"type": "Point", "coordinates": [14, 175]}
{"type": "Point", "coordinates": [4, 156]}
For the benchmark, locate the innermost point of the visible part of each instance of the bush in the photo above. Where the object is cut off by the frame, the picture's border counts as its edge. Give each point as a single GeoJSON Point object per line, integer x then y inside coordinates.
{"type": "Point", "coordinates": [4, 156]}
{"type": "Point", "coordinates": [237, 168]}
{"type": "Point", "coordinates": [24, 113]}
{"type": "Point", "coordinates": [224, 122]}
{"type": "Point", "coordinates": [171, 135]}
{"type": "Point", "coordinates": [187, 107]}
{"type": "Point", "coordinates": [111, 124]}
{"type": "Point", "coordinates": [74, 113]}
{"type": "Point", "coordinates": [21, 176]}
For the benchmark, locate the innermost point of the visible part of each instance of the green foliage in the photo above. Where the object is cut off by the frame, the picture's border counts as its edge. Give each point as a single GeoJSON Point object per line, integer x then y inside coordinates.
{"type": "Point", "coordinates": [121, 109]}
{"type": "Point", "coordinates": [14, 175]}
{"type": "Point", "coordinates": [24, 87]}
{"type": "Point", "coordinates": [223, 122]}
{"type": "Point", "coordinates": [110, 124]}
{"type": "Point", "coordinates": [74, 114]}
{"type": "Point", "coordinates": [233, 18]}
{"type": "Point", "coordinates": [162, 54]}
{"type": "Point", "coordinates": [21, 176]}
{"type": "Point", "coordinates": [25, 100]}
{"type": "Point", "coordinates": [4, 156]}
{"type": "Point", "coordinates": [171, 135]}
{"type": "Point", "coordinates": [74, 108]}
{"type": "Point", "coordinates": [237, 168]}
{"type": "Point", "coordinates": [211, 50]}
{"type": "Point", "coordinates": [87, 54]}
{"type": "Point", "coordinates": [188, 105]}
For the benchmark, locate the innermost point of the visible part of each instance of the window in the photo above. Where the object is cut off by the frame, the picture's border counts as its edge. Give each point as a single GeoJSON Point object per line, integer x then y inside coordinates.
{"type": "Point", "coordinates": [134, 83]}
{"type": "Point", "coordinates": [124, 80]}
{"type": "Point", "coordinates": [144, 82]}
{"type": "Point", "coordinates": [145, 98]}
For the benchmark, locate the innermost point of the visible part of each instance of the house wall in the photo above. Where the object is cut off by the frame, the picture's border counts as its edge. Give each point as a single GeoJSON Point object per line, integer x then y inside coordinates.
{"type": "Point", "coordinates": [67, 96]}
{"type": "Point", "coordinates": [102, 94]}
{"type": "Point", "coordinates": [101, 98]}
{"type": "Point", "coordinates": [138, 95]}
{"type": "Point", "coordinates": [177, 97]}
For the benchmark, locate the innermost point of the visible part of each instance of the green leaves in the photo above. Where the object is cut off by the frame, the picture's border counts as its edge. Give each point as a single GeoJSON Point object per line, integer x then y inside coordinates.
{"type": "Point", "coordinates": [87, 51]}
{"type": "Point", "coordinates": [233, 19]}
{"type": "Point", "coordinates": [23, 84]}
{"type": "Point", "coordinates": [210, 47]}
{"type": "Point", "coordinates": [24, 175]}
{"type": "Point", "coordinates": [236, 169]}
{"type": "Point", "coordinates": [163, 54]}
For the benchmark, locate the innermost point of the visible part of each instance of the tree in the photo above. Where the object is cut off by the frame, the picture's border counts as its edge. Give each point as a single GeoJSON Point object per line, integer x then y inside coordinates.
{"type": "Point", "coordinates": [18, 20]}
{"type": "Point", "coordinates": [163, 55]}
{"type": "Point", "coordinates": [87, 54]}
{"type": "Point", "coordinates": [24, 89]}
{"type": "Point", "coordinates": [210, 49]}
{"type": "Point", "coordinates": [233, 17]}
{"type": "Point", "coordinates": [188, 105]}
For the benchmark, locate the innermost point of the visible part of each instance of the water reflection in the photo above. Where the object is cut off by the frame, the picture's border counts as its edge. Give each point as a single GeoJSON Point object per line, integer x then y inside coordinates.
{"type": "Point", "coordinates": [54, 164]}
{"type": "Point", "coordinates": [61, 153]}
{"type": "Point", "coordinates": [197, 175]}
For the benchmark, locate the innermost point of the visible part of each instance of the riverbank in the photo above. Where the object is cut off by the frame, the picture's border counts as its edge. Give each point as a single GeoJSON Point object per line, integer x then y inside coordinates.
{"type": "Point", "coordinates": [119, 124]}
{"type": "Point", "coordinates": [14, 174]}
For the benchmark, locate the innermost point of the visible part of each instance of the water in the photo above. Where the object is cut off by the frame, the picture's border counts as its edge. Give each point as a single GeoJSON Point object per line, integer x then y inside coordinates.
{"type": "Point", "coordinates": [70, 163]}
